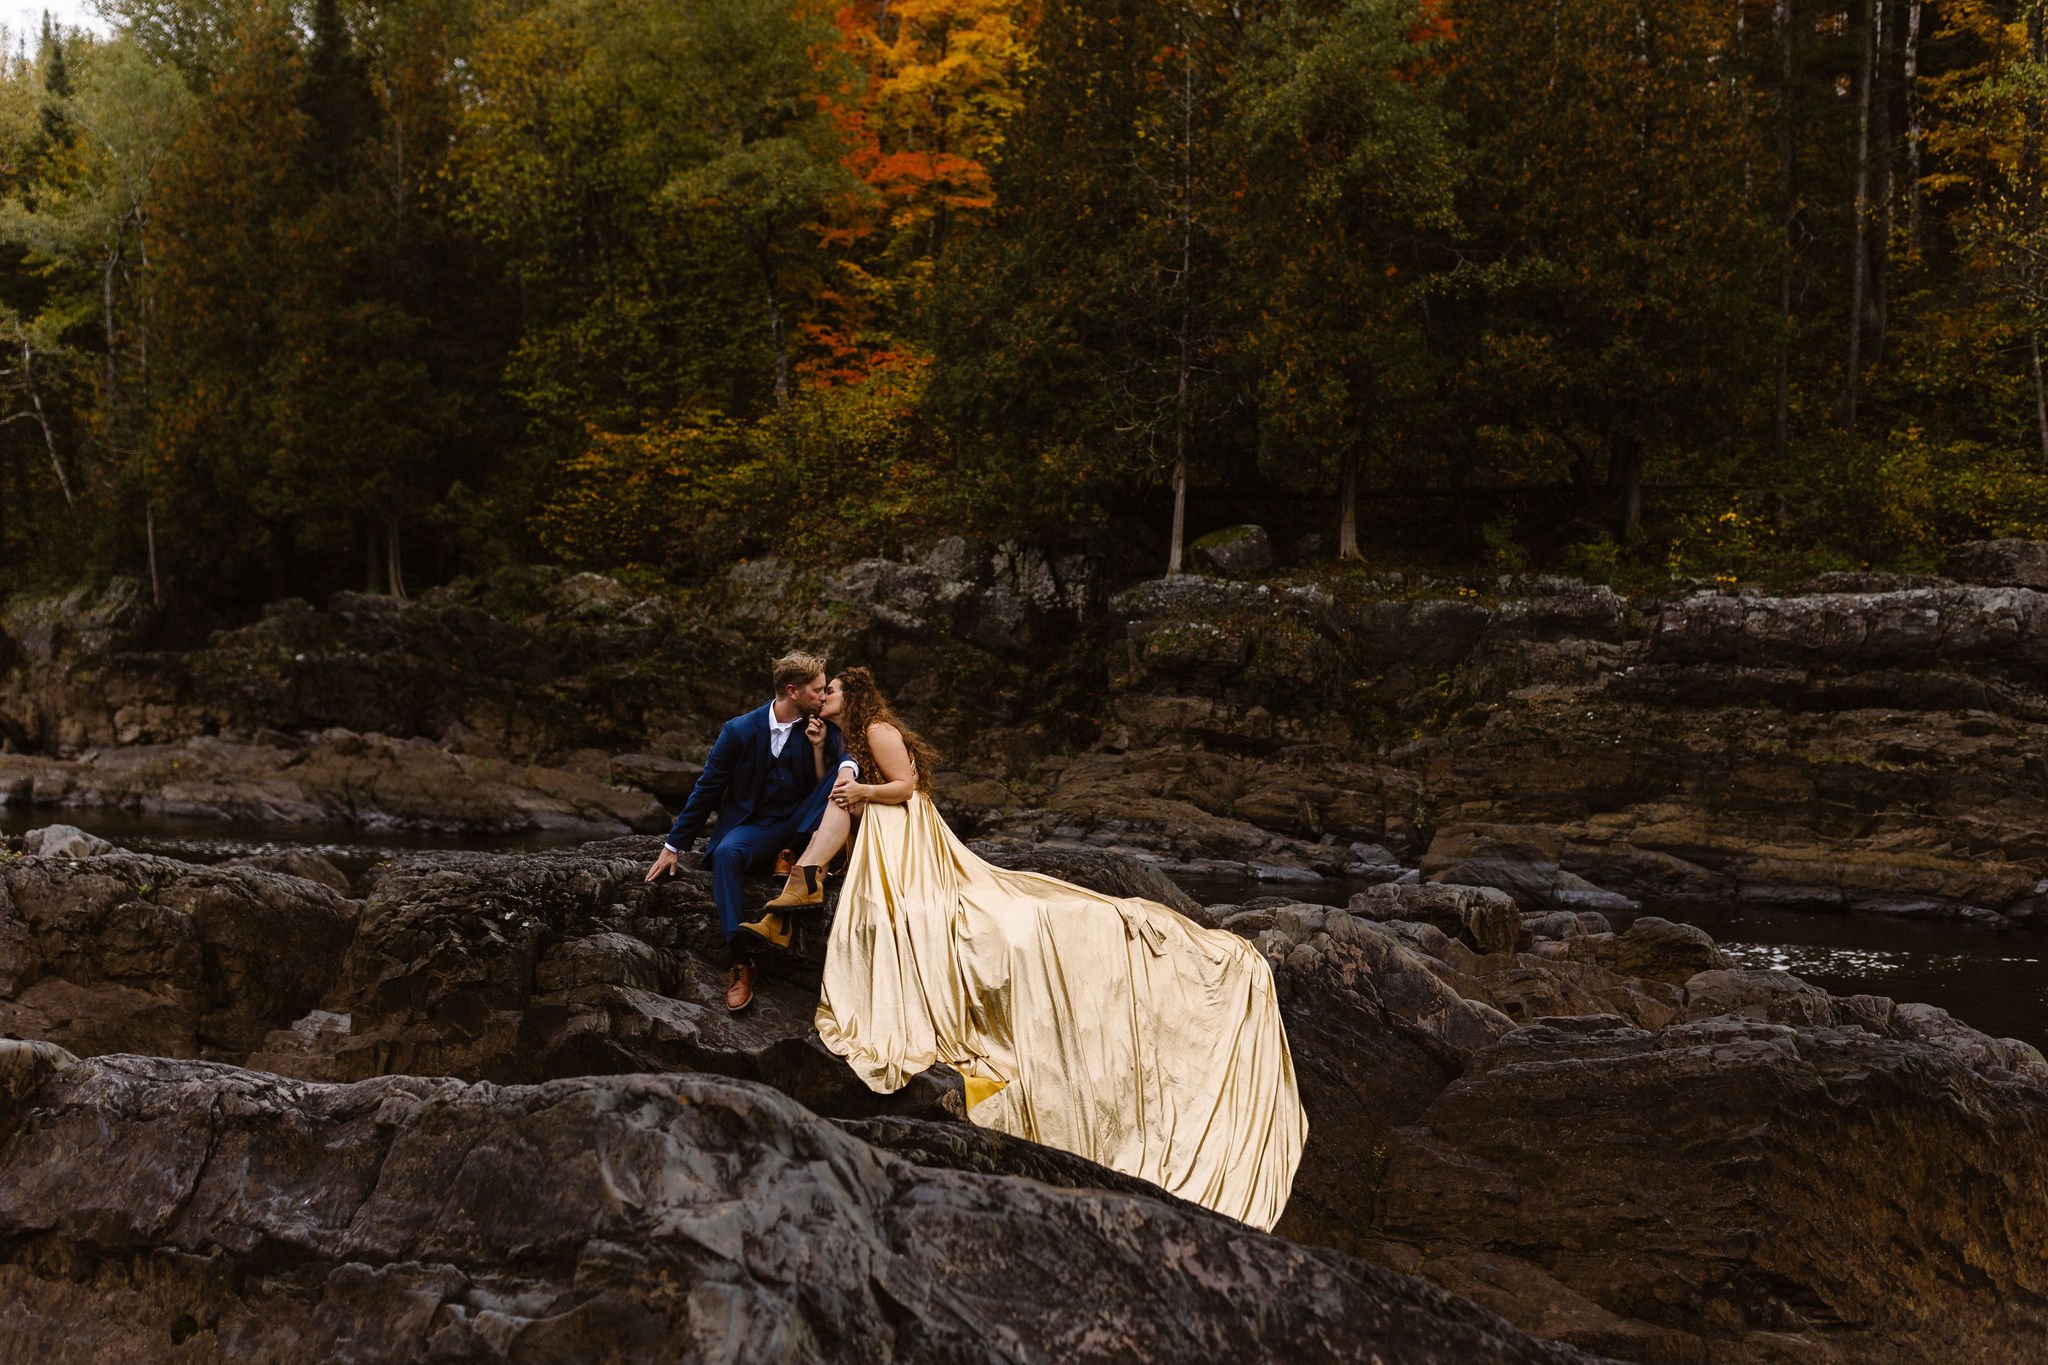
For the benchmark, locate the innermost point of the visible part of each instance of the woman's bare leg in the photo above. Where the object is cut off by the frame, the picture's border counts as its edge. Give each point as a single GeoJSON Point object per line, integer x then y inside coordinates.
{"type": "Point", "coordinates": [830, 838]}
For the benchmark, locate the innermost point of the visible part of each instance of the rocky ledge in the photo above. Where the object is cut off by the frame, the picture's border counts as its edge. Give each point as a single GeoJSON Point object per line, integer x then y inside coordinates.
{"type": "Point", "coordinates": [154, 1209]}
{"type": "Point", "coordinates": [1612, 1139]}
{"type": "Point", "coordinates": [1862, 743]}
{"type": "Point", "coordinates": [333, 778]}
{"type": "Point", "coordinates": [1868, 744]}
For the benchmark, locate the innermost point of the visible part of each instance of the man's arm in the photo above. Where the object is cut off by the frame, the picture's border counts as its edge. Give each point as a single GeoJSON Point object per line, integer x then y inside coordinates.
{"type": "Point", "coordinates": [711, 784]}
{"type": "Point", "coordinates": [835, 750]}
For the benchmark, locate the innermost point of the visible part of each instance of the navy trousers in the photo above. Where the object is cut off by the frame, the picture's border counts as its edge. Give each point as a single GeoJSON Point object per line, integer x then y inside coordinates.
{"type": "Point", "coordinates": [751, 848]}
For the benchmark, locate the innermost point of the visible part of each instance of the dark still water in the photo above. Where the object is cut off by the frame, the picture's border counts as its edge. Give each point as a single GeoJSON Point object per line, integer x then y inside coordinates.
{"type": "Point", "coordinates": [1993, 979]}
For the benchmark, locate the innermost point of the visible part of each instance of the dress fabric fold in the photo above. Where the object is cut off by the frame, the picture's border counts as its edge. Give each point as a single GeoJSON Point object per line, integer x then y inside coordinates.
{"type": "Point", "coordinates": [1111, 1027]}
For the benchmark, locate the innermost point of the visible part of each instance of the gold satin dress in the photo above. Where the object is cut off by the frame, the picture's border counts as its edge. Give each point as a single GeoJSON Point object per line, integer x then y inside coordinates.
{"type": "Point", "coordinates": [1110, 1027]}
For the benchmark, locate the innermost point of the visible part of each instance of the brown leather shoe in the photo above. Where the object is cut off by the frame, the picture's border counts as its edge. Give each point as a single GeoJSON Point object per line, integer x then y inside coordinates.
{"type": "Point", "coordinates": [785, 863]}
{"type": "Point", "coordinates": [739, 986]}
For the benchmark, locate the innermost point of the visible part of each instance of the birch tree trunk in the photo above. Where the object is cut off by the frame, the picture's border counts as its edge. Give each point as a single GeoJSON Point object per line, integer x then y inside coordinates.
{"type": "Point", "coordinates": [42, 419]}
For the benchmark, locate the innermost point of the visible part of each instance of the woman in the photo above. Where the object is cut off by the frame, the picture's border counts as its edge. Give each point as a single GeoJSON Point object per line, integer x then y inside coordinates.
{"type": "Point", "coordinates": [1110, 1027]}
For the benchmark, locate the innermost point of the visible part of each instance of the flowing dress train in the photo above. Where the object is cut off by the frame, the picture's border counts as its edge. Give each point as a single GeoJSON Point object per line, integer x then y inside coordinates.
{"type": "Point", "coordinates": [1111, 1027]}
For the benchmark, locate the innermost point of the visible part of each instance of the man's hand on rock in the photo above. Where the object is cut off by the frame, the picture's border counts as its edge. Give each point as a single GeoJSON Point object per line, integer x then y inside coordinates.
{"type": "Point", "coordinates": [663, 865]}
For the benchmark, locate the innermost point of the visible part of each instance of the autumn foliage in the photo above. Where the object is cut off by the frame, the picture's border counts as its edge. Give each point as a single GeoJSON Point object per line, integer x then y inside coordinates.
{"type": "Point", "coordinates": [367, 293]}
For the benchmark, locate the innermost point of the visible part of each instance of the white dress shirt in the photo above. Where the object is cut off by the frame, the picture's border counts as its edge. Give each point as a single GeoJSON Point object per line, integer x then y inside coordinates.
{"type": "Point", "coordinates": [778, 730]}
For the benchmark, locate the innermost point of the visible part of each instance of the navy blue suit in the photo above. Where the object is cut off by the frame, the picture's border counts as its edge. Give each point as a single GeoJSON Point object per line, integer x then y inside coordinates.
{"type": "Point", "coordinates": [763, 802]}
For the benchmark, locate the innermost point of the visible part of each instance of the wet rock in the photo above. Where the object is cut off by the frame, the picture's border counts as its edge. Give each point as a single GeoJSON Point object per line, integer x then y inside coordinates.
{"type": "Point", "coordinates": [1929, 1024]}
{"type": "Point", "coordinates": [337, 777]}
{"type": "Point", "coordinates": [126, 953]}
{"type": "Point", "coordinates": [1376, 1036]}
{"type": "Point", "coordinates": [252, 1217]}
{"type": "Point", "coordinates": [1528, 988]}
{"type": "Point", "coordinates": [1748, 1184]}
{"type": "Point", "coordinates": [63, 841]}
{"type": "Point", "coordinates": [1523, 862]}
{"type": "Point", "coordinates": [296, 862]}
{"type": "Point", "coordinates": [1484, 917]}
{"type": "Point", "coordinates": [668, 779]}
{"type": "Point", "coordinates": [1767, 997]}
{"type": "Point", "coordinates": [1653, 948]}
{"type": "Point", "coordinates": [1234, 552]}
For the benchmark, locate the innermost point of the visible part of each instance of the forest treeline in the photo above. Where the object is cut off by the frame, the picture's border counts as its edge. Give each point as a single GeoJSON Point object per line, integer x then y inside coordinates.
{"type": "Point", "coordinates": [366, 293]}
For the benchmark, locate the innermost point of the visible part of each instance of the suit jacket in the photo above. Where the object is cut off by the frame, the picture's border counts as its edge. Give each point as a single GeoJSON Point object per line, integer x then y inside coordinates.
{"type": "Point", "coordinates": [735, 777]}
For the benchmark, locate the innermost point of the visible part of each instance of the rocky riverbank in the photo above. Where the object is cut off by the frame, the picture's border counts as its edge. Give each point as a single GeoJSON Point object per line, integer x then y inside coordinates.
{"type": "Point", "coordinates": [1613, 1140]}
{"type": "Point", "coordinates": [1869, 742]}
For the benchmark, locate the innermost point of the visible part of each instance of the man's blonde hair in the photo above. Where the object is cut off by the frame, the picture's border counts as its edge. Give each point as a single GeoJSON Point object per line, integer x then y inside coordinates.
{"type": "Point", "coordinates": [798, 669]}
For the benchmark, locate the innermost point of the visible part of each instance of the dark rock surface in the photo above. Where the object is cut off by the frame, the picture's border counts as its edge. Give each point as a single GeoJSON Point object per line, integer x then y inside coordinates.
{"type": "Point", "coordinates": [1234, 552]}
{"type": "Point", "coordinates": [1776, 1192]}
{"type": "Point", "coordinates": [1612, 1138]}
{"type": "Point", "coordinates": [127, 953]}
{"type": "Point", "coordinates": [1875, 743]}
{"type": "Point", "coordinates": [1612, 1172]}
{"type": "Point", "coordinates": [236, 1215]}
{"type": "Point", "coordinates": [1585, 1131]}
{"type": "Point", "coordinates": [336, 777]}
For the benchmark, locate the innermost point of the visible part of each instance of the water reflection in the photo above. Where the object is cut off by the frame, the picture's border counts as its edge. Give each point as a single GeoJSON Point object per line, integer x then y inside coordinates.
{"type": "Point", "coordinates": [1995, 980]}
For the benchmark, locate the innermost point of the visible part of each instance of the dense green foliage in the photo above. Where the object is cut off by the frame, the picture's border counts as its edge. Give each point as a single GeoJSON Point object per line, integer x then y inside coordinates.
{"type": "Point", "coordinates": [335, 293]}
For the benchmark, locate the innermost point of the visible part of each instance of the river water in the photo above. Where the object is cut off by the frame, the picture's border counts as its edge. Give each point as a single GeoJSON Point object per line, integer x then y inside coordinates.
{"type": "Point", "coordinates": [1993, 979]}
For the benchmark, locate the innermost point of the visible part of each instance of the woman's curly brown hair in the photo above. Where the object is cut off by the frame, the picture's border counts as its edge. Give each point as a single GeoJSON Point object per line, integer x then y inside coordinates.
{"type": "Point", "coordinates": [867, 707]}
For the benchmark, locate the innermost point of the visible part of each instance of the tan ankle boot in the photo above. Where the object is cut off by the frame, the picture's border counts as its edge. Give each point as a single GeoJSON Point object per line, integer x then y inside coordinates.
{"type": "Point", "coordinates": [806, 886]}
{"type": "Point", "coordinates": [770, 928]}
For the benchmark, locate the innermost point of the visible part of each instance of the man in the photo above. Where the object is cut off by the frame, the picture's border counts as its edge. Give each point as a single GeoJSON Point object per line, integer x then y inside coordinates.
{"type": "Point", "coordinates": [758, 776]}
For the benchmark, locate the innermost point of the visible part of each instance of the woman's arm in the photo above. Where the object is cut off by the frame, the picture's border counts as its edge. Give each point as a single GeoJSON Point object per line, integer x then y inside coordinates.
{"type": "Point", "coordinates": [814, 731]}
{"type": "Point", "coordinates": [886, 743]}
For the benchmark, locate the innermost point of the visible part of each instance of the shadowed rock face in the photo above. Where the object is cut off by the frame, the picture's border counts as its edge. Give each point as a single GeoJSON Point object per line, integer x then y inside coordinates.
{"type": "Point", "coordinates": [1875, 744]}
{"type": "Point", "coordinates": [122, 952]}
{"type": "Point", "coordinates": [1738, 1179]}
{"type": "Point", "coordinates": [335, 777]}
{"type": "Point", "coordinates": [236, 1215]}
{"type": "Point", "coordinates": [1612, 1139]}
{"type": "Point", "coordinates": [1872, 1181]}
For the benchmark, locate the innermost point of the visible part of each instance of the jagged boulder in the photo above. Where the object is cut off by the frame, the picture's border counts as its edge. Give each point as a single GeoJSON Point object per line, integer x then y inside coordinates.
{"type": "Point", "coordinates": [1769, 1192]}
{"type": "Point", "coordinates": [1234, 552]}
{"type": "Point", "coordinates": [127, 953]}
{"type": "Point", "coordinates": [1484, 917]}
{"type": "Point", "coordinates": [64, 841]}
{"type": "Point", "coordinates": [150, 1206]}
{"type": "Point", "coordinates": [1652, 947]}
{"type": "Point", "coordinates": [1376, 1035]}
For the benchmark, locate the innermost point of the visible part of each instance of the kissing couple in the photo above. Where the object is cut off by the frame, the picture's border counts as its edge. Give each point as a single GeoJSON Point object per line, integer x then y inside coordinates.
{"type": "Point", "coordinates": [1108, 1026]}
